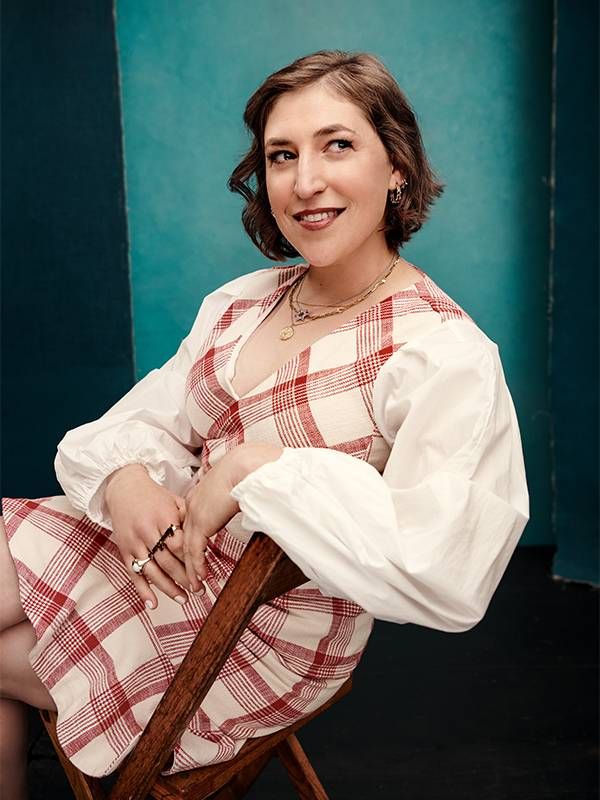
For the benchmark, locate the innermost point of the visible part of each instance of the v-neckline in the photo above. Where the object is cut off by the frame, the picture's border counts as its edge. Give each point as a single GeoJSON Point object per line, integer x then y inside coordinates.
{"type": "Point", "coordinates": [229, 371]}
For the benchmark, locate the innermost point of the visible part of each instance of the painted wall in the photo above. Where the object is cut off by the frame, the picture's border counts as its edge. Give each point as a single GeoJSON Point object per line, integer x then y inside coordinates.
{"type": "Point", "coordinates": [66, 322]}
{"type": "Point", "coordinates": [574, 317]}
{"type": "Point", "coordinates": [479, 76]}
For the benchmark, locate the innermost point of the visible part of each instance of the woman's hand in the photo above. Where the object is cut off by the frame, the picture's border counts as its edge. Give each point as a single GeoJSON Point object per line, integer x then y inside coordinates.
{"type": "Point", "coordinates": [210, 505]}
{"type": "Point", "coordinates": [141, 511]}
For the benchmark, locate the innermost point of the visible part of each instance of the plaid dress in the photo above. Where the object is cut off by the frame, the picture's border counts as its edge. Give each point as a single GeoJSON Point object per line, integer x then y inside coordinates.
{"type": "Point", "coordinates": [106, 659]}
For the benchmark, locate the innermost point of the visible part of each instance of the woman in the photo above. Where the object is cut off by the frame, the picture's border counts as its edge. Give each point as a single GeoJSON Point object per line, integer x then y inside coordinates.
{"type": "Point", "coordinates": [345, 405]}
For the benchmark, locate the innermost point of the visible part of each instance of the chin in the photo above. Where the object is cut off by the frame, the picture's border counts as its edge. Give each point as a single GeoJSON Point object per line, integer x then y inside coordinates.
{"type": "Point", "coordinates": [317, 257]}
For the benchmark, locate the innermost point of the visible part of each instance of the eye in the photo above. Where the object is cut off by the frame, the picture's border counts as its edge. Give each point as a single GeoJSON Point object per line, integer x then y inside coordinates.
{"type": "Point", "coordinates": [279, 156]}
{"type": "Point", "coordinates": [339, 145]}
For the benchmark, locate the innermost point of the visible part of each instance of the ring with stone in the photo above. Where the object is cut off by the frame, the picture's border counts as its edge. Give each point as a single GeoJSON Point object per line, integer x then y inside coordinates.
{"type": "Point", "coordinates": [138, 564]}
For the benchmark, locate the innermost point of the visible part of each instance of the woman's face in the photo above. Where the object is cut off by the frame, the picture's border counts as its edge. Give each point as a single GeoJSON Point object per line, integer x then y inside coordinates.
{"type": "Point", "coordinates": [327, 176]}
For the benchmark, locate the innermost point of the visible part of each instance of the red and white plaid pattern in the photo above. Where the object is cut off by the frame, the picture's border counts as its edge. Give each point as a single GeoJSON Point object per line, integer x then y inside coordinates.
{"type": "Point", "coordinates": [106, 658]}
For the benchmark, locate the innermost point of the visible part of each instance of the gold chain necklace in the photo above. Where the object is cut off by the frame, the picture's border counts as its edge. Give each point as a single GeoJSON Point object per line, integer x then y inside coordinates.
{"type": "Point", "coordinates": [355, 298]}
{"type": "Point", "coordinates": [300, 315]}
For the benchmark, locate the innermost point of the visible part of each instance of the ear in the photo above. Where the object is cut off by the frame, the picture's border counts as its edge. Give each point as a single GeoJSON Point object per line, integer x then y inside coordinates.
{"type": "Point", "coordinates": [396, 179]}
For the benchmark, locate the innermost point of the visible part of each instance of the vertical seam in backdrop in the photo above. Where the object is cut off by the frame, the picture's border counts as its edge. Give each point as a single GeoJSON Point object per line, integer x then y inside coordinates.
{"type": "Point", "coordinates": [551, 265]}
{"type": "Point", "coordinates": [126, 206]}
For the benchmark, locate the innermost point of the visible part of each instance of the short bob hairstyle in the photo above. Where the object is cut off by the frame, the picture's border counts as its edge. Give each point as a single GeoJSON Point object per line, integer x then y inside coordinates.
{"type": "Point", "coordinates": [362, 79]}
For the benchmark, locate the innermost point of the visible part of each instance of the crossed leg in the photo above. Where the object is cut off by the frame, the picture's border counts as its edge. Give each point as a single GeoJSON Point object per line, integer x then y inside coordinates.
{"type": "Point", "coordinates": [19, 685]}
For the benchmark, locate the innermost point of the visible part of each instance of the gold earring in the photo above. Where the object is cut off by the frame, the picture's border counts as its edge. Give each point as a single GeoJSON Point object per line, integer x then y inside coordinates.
{"type": "Point", "coordinates": [396, 195]}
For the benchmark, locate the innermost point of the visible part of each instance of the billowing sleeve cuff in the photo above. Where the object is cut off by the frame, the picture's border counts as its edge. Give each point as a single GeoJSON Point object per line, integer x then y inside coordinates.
{"type": "Point", "coordinates": [307, 502]}
{"type": "Point", "coordinates": [428, 540]}
{"type": "Point", "coordinates": [148, 426]}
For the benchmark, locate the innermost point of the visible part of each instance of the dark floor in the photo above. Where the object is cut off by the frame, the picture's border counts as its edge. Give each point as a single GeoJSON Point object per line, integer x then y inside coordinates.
{"type": "Point", "coordinates": [506, 711]}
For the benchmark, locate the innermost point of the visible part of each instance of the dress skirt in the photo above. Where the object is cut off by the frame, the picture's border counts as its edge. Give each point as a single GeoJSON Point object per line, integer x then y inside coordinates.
{"type": "Point", "coordinates": [106, 659]}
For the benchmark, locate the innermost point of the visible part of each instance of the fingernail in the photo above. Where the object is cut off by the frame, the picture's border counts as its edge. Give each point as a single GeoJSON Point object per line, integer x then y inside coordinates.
{"type": "Point", "coordinates": [180, 599]}
{"type": "Point", "coordinates": [201, 590]}
{"type": "Point", "coordinates": [149, 604]}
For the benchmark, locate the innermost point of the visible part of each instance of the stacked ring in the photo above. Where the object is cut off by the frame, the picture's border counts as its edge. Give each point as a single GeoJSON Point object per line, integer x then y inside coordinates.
{"type": "Point", "coordinates": [138, 564]}
{"type": "Point", "coordinates": [160, 545]}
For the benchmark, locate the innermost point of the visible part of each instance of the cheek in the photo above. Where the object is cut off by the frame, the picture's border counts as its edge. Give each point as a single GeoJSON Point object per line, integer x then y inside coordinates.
{"type": "Point", "coordinates": [278, 190]}
{"type": "Point", "coordinates": [366, 181]}
{"type": "Point", "coordinates": [370, 198]}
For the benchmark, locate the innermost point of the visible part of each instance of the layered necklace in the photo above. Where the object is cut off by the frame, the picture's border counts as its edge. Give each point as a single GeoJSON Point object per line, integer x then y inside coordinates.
{"type": "Point", "coordinates": [300, 313]}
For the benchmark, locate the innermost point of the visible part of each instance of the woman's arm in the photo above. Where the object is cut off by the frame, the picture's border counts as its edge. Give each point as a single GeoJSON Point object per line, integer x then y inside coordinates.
{"type": "Point", "coordinates": [148, 426]}
{"type": "Point", "coordinates": [210, 505]}
{"type": "Point", "coordinates": [128, 470]}
{"type": "Point", "coordinates": [428, 541]}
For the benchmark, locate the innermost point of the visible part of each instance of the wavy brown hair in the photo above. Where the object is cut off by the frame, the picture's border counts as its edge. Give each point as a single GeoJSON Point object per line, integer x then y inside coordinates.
{"type": "Point", "coordinates": [362, 79]}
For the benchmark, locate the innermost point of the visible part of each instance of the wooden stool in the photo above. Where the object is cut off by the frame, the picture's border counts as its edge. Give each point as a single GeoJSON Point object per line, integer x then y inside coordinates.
{"type": "Point", "coordinates": [262, 573]}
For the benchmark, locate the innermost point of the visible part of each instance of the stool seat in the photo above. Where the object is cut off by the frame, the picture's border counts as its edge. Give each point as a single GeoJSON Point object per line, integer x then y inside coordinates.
{"type": "Point", "coordinates": [262, 573]}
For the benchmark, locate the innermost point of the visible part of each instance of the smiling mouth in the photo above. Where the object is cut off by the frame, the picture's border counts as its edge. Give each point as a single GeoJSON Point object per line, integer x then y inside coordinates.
{"type": "Point", "coordinates": [318, 216]}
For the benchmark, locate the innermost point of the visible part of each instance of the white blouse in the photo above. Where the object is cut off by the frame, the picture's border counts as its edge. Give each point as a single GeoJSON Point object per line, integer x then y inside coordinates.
{"type": "Point", "coordinates": [426, 541]}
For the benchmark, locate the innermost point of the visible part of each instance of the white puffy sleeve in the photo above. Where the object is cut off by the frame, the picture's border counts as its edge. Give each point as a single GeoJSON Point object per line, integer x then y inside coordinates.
{"type": "Point", "coordinates": [428, 540]}
{"type": "Point", "coordinates": [147, 426]}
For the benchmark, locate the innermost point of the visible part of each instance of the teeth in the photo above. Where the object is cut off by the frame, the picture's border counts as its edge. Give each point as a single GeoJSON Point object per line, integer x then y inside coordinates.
{"type": "Point", "coordinates": [318, 217]}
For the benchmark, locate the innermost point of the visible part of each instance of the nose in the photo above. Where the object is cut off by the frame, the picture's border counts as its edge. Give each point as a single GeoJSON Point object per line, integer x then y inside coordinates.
{"type": "Point", "coordinates": [309, 177]}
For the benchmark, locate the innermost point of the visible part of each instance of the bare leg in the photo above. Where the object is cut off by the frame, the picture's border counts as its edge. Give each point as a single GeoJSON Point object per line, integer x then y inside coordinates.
{"type": "Point", "coordinates": [18, 682]}
{"type": "Point", "coordinates": [11, 610]}
{"type": "Point", "coordinates": [13, 749]}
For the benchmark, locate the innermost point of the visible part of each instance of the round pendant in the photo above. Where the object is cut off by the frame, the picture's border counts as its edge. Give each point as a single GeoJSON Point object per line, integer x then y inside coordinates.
{"type": "Point", "coordinates": [286, 333]}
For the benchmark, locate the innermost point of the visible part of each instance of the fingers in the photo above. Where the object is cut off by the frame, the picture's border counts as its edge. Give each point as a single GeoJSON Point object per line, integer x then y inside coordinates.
{"type": "Point", "coordinates": [175, 546]}
{"type": "Point", "coordinates": [146, 519]}
{"type": "Point", "coordinates": [209, 506]}
{"type": "Point", "coordinates": [153, 572]}
{"type": "Point", "coordinates": [172, 561]}
{"type": "Point", "coordinates": [194, 553]}
{"type": "Point", "coordinates": [181, 507]}
{"type": "Point", "coordinates": [164, 570]}
{"type": "Point", "coordinates": [162, 581]}
{"type": "Point", "coordinates": [172, 567]}
{"type": "Point", "coordinates": [141, 586]}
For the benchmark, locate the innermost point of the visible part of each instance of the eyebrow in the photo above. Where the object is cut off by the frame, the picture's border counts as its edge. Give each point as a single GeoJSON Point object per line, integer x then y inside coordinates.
{"type": "Point", "coordinates": [326, 131]}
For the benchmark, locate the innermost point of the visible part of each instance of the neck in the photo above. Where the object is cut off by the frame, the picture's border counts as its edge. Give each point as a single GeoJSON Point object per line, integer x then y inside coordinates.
{"type": "Point", "coordinates": [336, 281]}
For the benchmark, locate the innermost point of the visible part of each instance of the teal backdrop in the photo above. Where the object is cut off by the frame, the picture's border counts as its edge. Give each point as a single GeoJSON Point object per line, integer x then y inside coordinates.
{"type": "Point", "coordinates": [573, 301]}
{"type": "Point", "coordinates": [122, 124]}
{"type": "Point", "coordinates": [67, 350]}
{"type": "Point", "coordinates": [479, 77]}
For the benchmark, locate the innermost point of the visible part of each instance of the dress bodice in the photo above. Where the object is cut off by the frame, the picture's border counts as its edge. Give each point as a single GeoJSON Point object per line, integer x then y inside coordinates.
{"type": "Point", "coordinates": [322, 396]}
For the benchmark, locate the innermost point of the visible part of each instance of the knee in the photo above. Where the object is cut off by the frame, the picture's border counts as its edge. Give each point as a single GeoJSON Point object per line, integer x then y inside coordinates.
{"type": "Point", "coordinates": [11, 610]}
{"type": "Point", "coordinates": [18, 681]}
{"type": "Point", "coordinates": [15, 651]}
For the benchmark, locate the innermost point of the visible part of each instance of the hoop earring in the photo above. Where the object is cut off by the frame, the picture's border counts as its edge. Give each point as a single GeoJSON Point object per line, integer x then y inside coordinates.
{"type": "Point", "coordinates": [396, 194]}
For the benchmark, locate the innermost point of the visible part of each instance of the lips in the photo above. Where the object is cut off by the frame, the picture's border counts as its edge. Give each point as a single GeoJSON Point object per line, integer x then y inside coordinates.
{"type": "Point", "coordinates": [318, 213]}
{"type": "Point", "coordinates": [317, 217]}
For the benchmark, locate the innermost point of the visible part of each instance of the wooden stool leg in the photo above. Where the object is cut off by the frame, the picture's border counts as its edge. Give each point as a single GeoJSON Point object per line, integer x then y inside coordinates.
{"type": "Point", "coordinates": [84, 787]}
{"type": "Point", "coordinates": [300, 770]}
{"type": "Point", "coordinates": [239, 785]}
